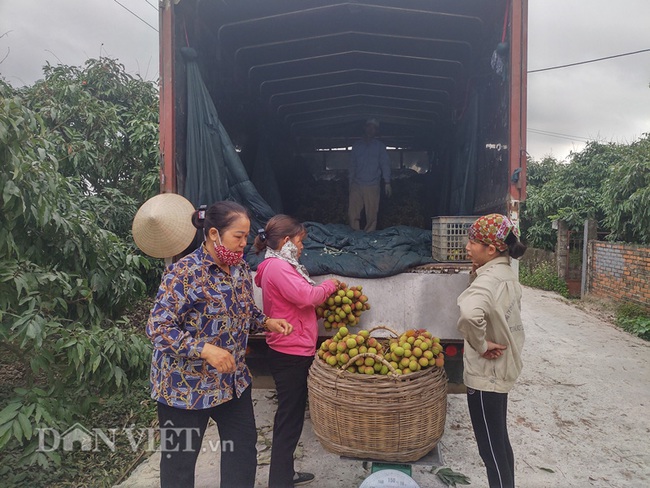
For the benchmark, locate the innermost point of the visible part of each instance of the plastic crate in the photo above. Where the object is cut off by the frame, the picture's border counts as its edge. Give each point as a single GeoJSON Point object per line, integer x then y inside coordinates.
{"type": "Point", "coordinates": [449, 237]}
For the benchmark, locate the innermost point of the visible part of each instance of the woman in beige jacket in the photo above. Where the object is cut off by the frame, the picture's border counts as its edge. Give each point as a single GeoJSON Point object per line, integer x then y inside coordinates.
{"type": "Point", "coordinates": [490, 322]}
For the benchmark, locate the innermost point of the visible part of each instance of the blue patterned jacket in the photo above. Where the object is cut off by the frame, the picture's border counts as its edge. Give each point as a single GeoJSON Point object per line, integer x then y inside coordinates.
{"type": "Point", "coordinates": [198, 303]}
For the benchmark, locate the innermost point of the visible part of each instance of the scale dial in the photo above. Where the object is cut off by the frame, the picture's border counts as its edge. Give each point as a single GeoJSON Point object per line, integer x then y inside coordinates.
{"type": "Point", "coordinates": [389, 478]}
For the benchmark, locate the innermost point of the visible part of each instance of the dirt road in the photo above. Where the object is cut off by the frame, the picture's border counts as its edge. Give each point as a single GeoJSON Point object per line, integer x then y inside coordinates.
{"type": "Point", "coordinates": [579, 415]}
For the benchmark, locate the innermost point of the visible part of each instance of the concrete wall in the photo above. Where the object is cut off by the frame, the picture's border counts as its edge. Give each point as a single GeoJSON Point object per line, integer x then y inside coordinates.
{"type": "Point", "coordinates": [535, 257]}
{"type": "Point", "coordinates": [620, 272]}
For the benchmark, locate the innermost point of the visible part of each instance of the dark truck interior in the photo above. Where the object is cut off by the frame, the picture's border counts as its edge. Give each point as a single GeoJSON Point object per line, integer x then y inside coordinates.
{"type": "Point", "coordinates": [294, 81]}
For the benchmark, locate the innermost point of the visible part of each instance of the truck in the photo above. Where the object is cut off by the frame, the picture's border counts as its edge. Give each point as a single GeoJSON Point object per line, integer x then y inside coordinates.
{"type": "Point", "coordinates": [293, 82]}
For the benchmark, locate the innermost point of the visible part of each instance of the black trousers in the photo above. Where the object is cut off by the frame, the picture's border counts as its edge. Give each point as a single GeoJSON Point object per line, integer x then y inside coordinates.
{"type": "Point", "coordinates": [181, 434]}
{"type": "Point", "coordinates": [488, 411]}
{"type": "Point", "coordinates": [290, 375]}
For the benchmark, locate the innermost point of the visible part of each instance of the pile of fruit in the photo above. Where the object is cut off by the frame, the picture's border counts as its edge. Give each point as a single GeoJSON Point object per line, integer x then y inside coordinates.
{"type": "Point", "coordinates": [343, 307]}
{"type": "Point", "coordinates": [410, 352]}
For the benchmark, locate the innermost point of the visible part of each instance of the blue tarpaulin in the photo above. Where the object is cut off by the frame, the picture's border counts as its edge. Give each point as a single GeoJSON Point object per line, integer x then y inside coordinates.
{"type": "Point", "coordinates": [214, 171]}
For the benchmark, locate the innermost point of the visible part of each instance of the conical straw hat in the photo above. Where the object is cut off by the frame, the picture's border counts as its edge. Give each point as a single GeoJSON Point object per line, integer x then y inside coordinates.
{"type": "Point", "coordinates": [162, 226]}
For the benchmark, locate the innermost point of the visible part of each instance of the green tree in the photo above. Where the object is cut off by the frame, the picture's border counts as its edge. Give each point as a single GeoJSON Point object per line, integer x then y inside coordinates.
{"type": "Point", "coordinates": [541, 172]}
{"type": "Point", "coordinates": [66, 278]}
{"type": "Point", "coordinates": [535, 226]}
{"type": "Point", "coordinates": [609, 182]}
{"type": "Point", "coordinates": [571, 192]}
{"type": "Point", "coordinates": [626, 194]}
{"type": "Point", "coordinates": [103, 125]}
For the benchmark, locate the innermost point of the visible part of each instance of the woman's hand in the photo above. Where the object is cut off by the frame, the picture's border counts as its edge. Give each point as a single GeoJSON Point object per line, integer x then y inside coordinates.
{"type": "Point", "coordinates": [280, 326]}
{"type": "Point", "coordinates": [336, 282]}
{"type": "Point", "coordinates": [219, 358]}
{"type": "Point", "coordinates": [494, 350]}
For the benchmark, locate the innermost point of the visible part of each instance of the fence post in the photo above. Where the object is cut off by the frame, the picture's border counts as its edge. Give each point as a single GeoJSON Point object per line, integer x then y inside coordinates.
{"type": "Point", "coordinates": [561, 249]}
{"type": "Point", "coordinates": [590, 233]}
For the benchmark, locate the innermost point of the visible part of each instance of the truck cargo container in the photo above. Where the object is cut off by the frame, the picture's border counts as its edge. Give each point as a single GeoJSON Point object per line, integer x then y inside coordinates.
{"type": "Point", "coordinates": [293, 82]}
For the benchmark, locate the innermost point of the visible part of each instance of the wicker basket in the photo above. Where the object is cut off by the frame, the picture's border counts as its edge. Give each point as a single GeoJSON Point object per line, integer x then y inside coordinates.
{"type": "Point", "coordinates": [392, 417]}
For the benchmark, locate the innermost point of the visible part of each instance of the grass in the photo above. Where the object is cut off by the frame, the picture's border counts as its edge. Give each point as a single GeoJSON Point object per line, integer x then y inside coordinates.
{"type": "Point", "coordinates": [104, 467]}
{"type": "Point", "coordinates": [543, 276]}
{"type": "Point", "coordinates": [634, 319]}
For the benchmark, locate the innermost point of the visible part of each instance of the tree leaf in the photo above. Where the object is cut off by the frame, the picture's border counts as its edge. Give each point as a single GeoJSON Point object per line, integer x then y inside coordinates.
{"type": "Point", "coordinates": [25, 424]}
{"type": "Point", "coordinates": [9, 412]}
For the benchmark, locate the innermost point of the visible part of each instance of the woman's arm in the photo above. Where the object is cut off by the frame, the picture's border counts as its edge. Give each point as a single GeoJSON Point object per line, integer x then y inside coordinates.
{"type": "Point", "coordinates": [474, 307]}
{"type": "Point", "coordinates": [172, 304]}
{"type": "Point", "coordinates": [294, 288]}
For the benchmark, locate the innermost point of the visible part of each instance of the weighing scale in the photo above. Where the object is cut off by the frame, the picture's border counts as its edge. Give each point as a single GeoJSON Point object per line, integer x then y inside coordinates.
{"type": "Point", "coordinates": [395, 475]}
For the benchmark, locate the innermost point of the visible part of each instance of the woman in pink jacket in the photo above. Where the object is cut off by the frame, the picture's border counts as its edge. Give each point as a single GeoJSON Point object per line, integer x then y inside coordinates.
{"type": "Point", "coordinates": [289, 292]}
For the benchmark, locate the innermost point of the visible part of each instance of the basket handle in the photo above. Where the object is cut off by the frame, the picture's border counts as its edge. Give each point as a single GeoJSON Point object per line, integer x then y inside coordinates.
{"type": "Point", "coordinates": [384, 328]}
{"type": "Point", "coordinates": [370, 355]}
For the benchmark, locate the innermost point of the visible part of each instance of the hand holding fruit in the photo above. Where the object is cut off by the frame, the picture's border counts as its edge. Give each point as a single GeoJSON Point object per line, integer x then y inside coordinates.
{"type": "Point", "coordinates": [336, 282]}
{"type": "Point", "coordinates": [343, 307]}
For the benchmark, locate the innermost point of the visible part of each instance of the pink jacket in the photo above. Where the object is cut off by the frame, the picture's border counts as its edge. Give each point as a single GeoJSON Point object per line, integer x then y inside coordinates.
{"type": "Point", "coordinates": [287, 295]}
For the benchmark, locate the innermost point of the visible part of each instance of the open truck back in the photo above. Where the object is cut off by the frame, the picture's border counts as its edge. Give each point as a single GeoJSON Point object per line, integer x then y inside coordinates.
{"type": "Point", "coordinates": [294, 81]}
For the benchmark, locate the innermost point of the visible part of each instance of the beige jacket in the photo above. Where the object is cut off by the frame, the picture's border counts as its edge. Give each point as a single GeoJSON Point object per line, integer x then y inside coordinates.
{"type": "Point", "coordinates": [490, 309]}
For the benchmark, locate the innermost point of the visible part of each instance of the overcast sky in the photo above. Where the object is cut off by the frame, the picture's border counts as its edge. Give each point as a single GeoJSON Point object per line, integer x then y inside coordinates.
{"type": "Point", "coordinates": [606, 101]}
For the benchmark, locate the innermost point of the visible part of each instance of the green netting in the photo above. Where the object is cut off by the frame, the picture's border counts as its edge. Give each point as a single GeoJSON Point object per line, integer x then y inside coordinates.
{"type": "Point", "coordinates": [213, 169]}
{"type": "Point", "coordinates": [215, 172]}
{"type": "Point", "coordinates": [336, 248]}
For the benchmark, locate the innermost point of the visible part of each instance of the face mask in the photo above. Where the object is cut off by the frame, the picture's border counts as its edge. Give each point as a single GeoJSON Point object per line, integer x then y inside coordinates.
{"type": "Point", "coordinates": [225, 255]}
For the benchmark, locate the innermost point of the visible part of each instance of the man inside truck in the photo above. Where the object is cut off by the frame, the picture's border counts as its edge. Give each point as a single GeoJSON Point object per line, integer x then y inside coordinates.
{"type": "Point", "coordinates": [369, 163]}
